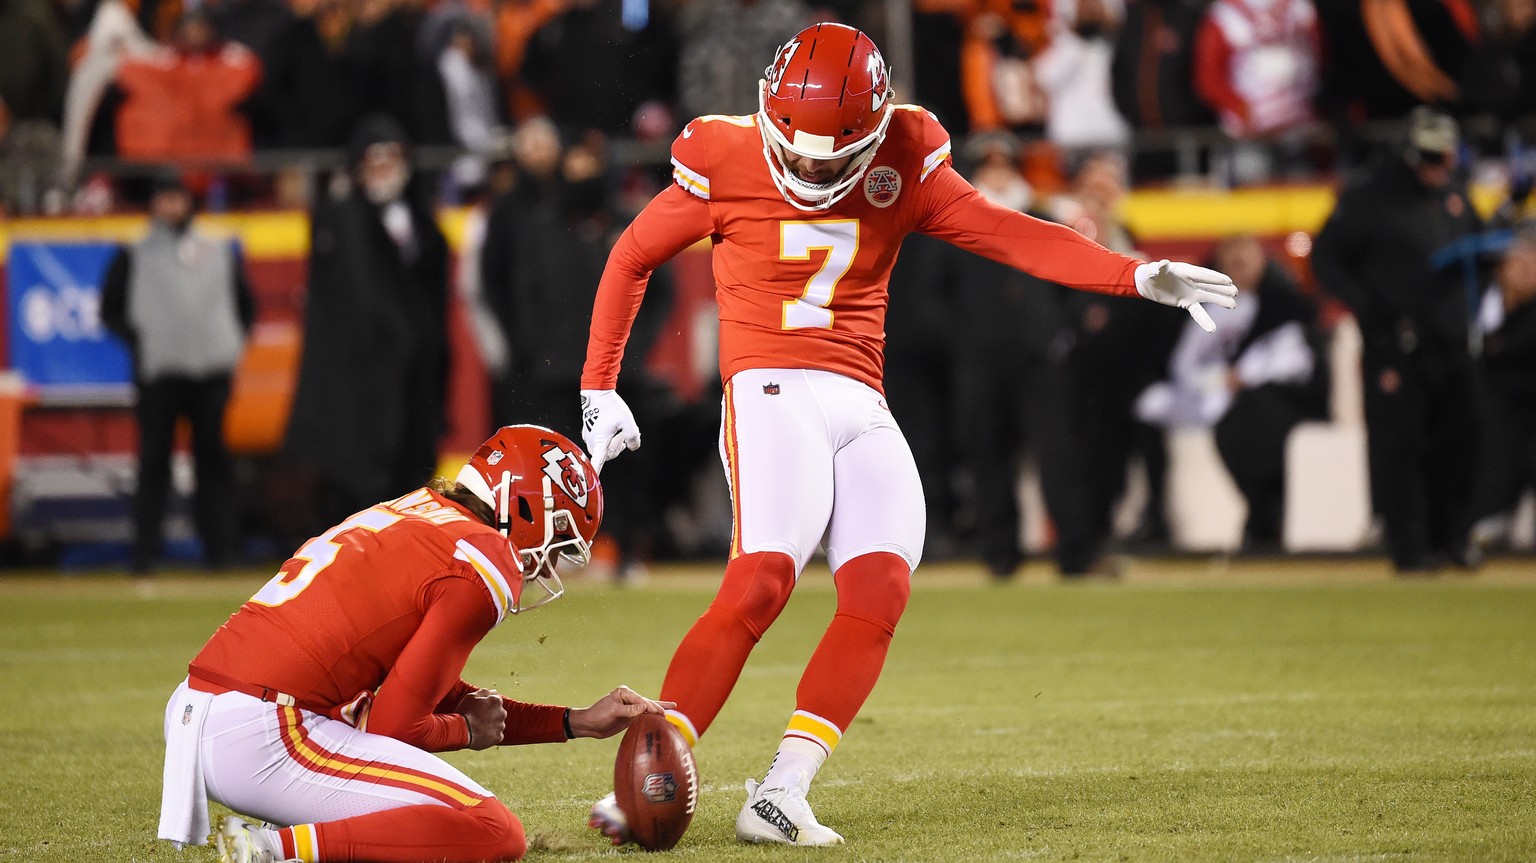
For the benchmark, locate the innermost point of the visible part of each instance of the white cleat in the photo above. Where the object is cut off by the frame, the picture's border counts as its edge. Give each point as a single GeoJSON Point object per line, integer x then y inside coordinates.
{"type": "Point", "coordinates": [239, 841]}
{"type": "Point", "coordinates": [781, 815]}
{"type": "Point", "coordinates": [607, 818]}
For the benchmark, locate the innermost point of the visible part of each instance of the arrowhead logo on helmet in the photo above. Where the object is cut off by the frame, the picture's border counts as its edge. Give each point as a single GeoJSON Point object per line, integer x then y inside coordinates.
{"type": "Point", "coordinates": [775, 72]}
{"type": "Point", "coordinates": [879, 75]}
{"type": "Point", "coordinates": [562, 467]}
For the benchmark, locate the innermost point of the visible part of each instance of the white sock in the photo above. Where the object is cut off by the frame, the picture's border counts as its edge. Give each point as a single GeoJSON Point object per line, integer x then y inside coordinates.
{"type": "Point", "coordinates": [795, 764]}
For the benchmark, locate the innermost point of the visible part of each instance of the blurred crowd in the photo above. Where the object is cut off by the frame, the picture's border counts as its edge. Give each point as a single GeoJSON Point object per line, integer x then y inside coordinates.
{"type": "Point", "coordinates": [990, 370]}
{"type": "Point", "coordinates": [994, 375]}
{"type": "Point", "coordinates": [1288, 83]}
{"type": "Point", "coordinates": [1057, 107]}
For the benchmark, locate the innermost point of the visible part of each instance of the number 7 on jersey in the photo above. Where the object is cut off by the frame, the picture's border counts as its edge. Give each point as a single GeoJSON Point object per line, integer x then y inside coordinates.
{"type": "Point", "coordinates": [797, 240]}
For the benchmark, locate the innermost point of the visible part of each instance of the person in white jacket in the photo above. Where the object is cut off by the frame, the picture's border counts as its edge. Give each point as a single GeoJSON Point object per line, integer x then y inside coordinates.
{"type": "Point", "coordinates": [1251, 382]}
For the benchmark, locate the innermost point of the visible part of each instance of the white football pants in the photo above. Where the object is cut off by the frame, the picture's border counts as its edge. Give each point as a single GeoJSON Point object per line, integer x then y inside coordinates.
{"type": "Point", "coordinates": [812, 456]}
{"type": "Point", "coordinates": [290, 766]}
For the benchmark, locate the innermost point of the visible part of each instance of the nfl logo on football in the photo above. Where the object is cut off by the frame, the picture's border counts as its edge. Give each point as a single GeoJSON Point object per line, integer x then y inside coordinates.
{"type": "Point", "coordinates": [660, 788]}
{"type": "Point", "coordinates": [881, 186]}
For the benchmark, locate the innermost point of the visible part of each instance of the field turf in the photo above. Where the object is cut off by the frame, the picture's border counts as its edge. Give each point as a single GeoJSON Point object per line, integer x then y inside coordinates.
{"type": "Point", "coordinates": [1288, 711]}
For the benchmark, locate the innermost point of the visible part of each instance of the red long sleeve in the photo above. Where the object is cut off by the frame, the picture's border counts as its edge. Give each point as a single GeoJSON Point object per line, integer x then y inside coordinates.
{"type": "Point", "coordinates": [958, 214]}
{"type": "Point", "coordinates": [532, 723]}
{"type": "Point", "coordinates": [427, 672]}
{"type": "Point", "coordinates": [458, 619]}
{"type": "Point", "coordinates": [671, 222]}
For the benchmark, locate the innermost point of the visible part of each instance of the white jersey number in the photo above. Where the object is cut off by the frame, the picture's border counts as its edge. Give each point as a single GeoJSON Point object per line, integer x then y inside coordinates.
{"type": "Point", "coordinates": [319, 553]}
{"type": "Point", "coordinates": [797, 240]}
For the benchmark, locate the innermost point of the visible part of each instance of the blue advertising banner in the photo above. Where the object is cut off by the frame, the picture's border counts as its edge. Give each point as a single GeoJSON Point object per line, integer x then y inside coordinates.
{"type": "Point", "coordinates": [56, 336]}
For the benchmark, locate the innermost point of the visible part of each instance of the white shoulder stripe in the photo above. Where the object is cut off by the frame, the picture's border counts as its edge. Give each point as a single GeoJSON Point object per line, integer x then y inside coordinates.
{"type": "Point", "coordinates": [690, 179]}
{"type": "Point", "coordinates": [935, 159]}
{"type": "Point", "coordinates": [495, 581]}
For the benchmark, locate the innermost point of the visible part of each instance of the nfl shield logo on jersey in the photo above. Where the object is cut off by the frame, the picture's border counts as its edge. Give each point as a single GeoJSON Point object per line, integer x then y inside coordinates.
{"type": "Point", "coordinates": [660, 788]}
{"type": "Point", "coordinates": [881, 185]}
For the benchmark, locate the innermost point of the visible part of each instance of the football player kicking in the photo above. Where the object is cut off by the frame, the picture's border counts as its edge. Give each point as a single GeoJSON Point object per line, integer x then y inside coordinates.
{"type": "Point", "coordinates": [318, 704]}
{"type": "Point", "coordinates": [806, 203]}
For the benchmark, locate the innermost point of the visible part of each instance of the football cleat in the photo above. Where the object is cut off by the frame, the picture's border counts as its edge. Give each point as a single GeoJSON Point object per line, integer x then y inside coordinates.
{"type": "Point", "coordinates": [607, 818]}
{"type": "Point", "coordinates": [781, 815]}
{"type": "Point", "coordinates": [240, 841]}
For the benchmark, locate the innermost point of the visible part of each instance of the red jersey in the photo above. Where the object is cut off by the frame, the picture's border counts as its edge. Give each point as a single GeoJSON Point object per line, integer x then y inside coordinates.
{"type": "Point", "coordinates": [808, 290]}
{"type": "Point", "coordinates": [372, 621]}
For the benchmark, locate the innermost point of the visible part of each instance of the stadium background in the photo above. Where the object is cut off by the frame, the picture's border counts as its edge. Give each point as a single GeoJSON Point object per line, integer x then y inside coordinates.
{"type": "Point", "coordinates": [62, 453]}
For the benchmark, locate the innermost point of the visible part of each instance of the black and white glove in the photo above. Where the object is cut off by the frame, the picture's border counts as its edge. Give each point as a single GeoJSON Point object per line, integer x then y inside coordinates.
{"type": "Point", "coordinates": [1186, 286]}
{"type": "Point", "coordinates": [607, 426]}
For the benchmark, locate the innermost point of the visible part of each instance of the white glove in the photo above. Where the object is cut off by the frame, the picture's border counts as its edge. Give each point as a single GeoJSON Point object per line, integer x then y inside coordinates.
{"type": "Point", "coordinates": [1186, 286]}
{"type": "Point", "coordinates": [607, 426]}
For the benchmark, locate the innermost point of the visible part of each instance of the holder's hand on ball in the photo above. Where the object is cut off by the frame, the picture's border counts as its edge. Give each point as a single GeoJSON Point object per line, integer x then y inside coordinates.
{"type": "Point", "coordinates": [613, 712]}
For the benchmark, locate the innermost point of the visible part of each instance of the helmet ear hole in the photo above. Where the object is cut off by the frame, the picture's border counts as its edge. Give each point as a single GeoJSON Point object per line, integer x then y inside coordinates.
{"type": "Point", "coordinates": [524, 510]}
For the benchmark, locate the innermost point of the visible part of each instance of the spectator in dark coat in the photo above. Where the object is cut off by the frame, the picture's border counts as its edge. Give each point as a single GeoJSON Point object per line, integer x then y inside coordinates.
{"type": "Point", "coordinates": [393, 76]}
{"type": "Point", "coordinates": [541, 287]}
{"type": "Point", "coordinates": [538, 155]}
{"type": "Point", "coordinates": [1117, 348]}
{"type": "Point", "coordinates": [308, 91]}
{"type": "Point", "coordinates": [1508, 367]}
{"type": "Point", "coordinates": [369, 405]}
{"type": "Point", "coordinates": [252, 23]}
{"type": "Point", "coordinates": [593, 71]}
{"type": "Point", "coordinates": [1386, 56]}
{"type": "Point", "coordinates": [1152, 72]}
{"type": "Point", "coordinates": [920, 346]}
{"type": "Point", "coordinates": [1503, 77]}
{"type": "Point", "coordinates": [1011, 396]}
{"type": "Point", "coordinates": [1374, 254]}
{"type": "Point", "coordinates": [259, 26]}
{"type": "Point", "coordinates": [717, 69]}
{"type": "Point", "coordinates": [33, 66]}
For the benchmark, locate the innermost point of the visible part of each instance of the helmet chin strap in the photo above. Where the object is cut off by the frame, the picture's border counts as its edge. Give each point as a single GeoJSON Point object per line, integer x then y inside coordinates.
{"type": "Point", "coordinates": [504, 503]}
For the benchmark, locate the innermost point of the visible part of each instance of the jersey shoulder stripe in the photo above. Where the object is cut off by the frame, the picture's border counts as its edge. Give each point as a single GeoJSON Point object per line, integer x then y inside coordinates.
{"type": "Point", "coordinates": [495, 580]}
{"type": "Point", "coordinates": [916, 131]}
{"type": "Point", "coordinates": [934, 160]}
{"type": "Point", "coordinates": [689, 179]}
{"type": "Point", "coordinates": [705, 137]}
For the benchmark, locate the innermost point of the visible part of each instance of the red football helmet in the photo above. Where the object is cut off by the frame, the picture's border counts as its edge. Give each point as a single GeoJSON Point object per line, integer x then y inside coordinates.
{"type": "Point", "coordinates": [546, 498]}
{"type": "Point", "coordinates": [827, 95]}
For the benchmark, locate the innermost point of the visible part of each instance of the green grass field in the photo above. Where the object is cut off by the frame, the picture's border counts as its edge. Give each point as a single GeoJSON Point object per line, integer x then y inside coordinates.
{"type": "Point", "coordinates": [1295, 711]}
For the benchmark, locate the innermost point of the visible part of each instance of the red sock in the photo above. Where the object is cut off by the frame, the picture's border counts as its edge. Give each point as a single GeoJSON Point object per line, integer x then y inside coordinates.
{"type": "Point", "coordinates": [872, 592]}
{"type": "Point", "coordinates": [487, 831]}
{"type": "Point", "coordinates": [707, 663]}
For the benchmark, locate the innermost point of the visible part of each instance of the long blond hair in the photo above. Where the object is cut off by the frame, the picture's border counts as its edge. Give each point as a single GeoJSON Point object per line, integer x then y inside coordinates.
{"type": "Point", "coordinates": [456, 492]}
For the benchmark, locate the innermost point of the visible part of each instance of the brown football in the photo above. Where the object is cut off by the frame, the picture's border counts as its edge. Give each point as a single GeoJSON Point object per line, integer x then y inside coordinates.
{"type": "Point", "coordinates": [656, 783]}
